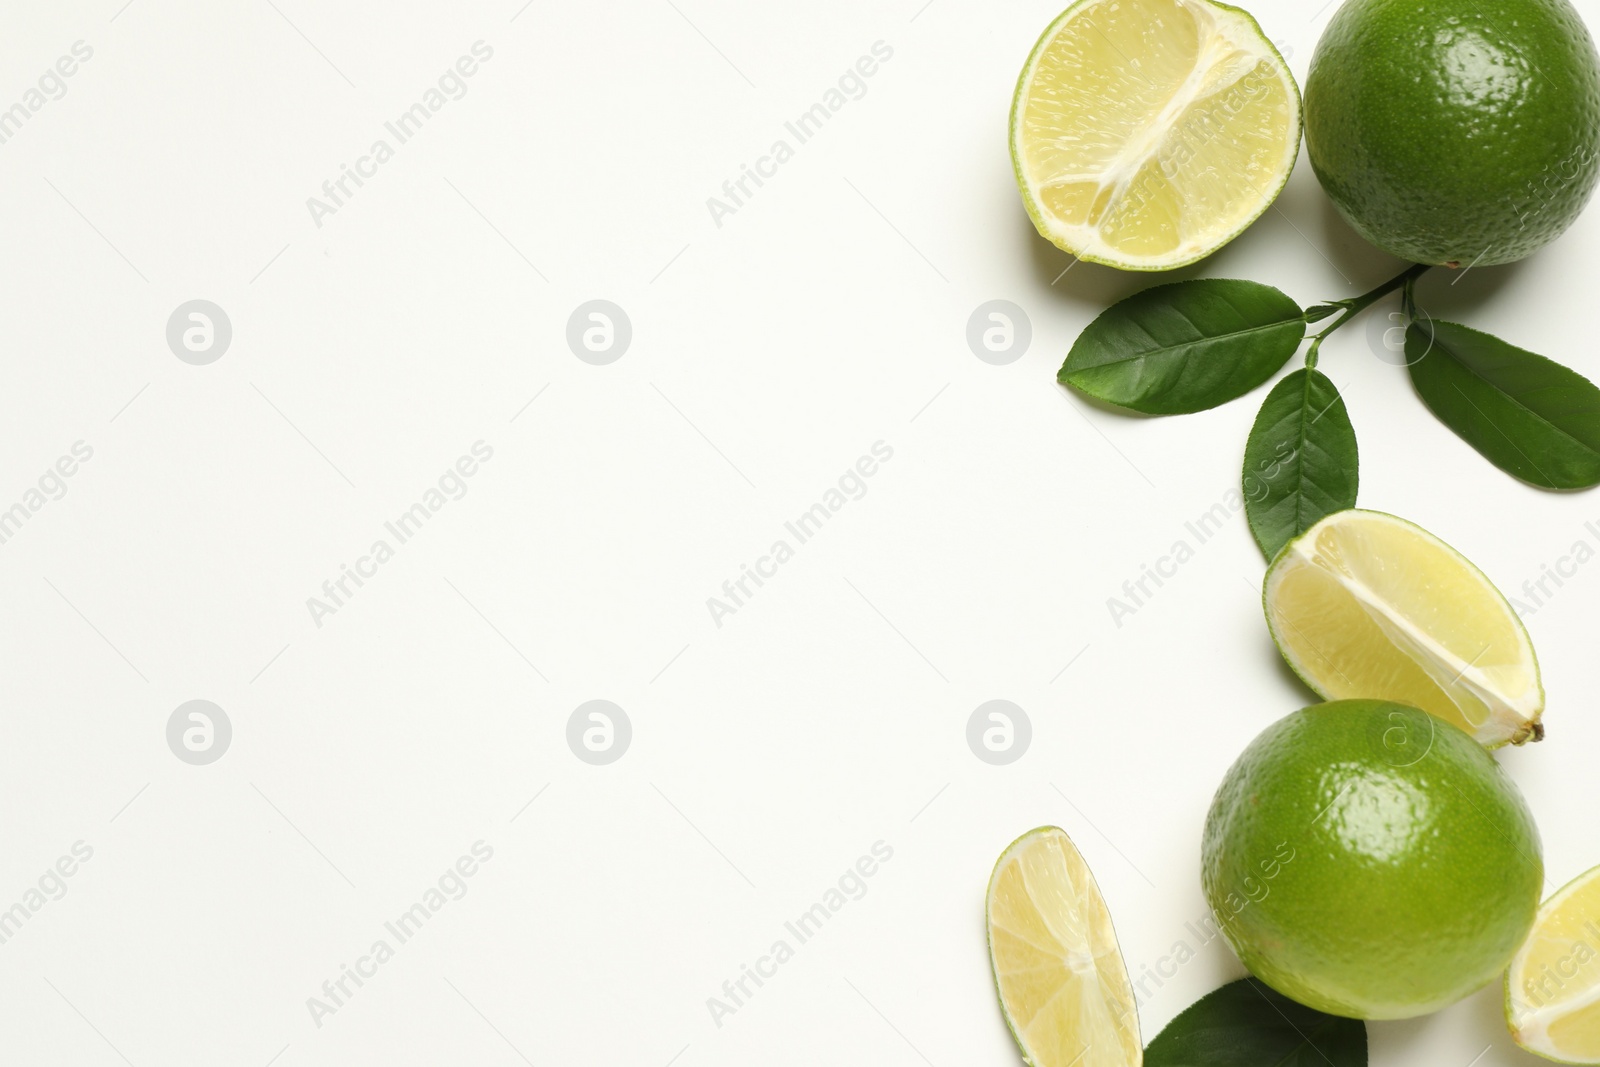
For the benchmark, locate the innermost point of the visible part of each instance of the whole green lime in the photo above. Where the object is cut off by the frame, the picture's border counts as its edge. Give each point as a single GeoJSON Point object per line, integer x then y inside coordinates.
{"type": "Point", "coordinates": [1456, 132]}
{"type": "Point", "coordinates": [1367, 859]}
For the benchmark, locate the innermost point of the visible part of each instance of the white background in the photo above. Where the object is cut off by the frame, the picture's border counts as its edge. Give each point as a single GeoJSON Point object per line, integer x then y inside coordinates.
{"type": "Point", "coordinates": [768, 354]}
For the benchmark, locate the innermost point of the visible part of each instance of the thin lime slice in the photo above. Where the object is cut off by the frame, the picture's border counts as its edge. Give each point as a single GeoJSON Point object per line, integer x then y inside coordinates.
{"type": "Point", "coordinates": [1063, 986]}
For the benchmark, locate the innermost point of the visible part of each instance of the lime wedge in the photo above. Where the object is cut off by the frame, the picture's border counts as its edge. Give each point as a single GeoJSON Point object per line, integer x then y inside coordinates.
{"type": "Point", "coordinates": [1367, 605]}
{"type": "Point", "coordinates": [1553, 984]}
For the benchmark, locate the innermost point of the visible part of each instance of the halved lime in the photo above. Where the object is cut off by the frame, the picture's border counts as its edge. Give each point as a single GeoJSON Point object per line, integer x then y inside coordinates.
{"type": "Point", "coordinates": [1063, 985]}
{"type": "Point", "coordinates": [1147, 134]}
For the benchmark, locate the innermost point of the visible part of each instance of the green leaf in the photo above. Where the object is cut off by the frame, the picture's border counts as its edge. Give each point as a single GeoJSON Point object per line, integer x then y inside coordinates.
{"type": "Point", "coordinates": [1300, 462]}
{"type": "Point", "coordinates": [1247, 1024]}
{"type": "Point", "coordinates": [1185, 347]}
{"type": "Point", "coordinates": [1528, 415]}
{"type": "Point", "coordinates": [1322, 311]}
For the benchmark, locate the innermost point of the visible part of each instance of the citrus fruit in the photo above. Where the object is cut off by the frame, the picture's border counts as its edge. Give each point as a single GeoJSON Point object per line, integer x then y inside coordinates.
{"type": "Point", "coordinates": [1368, 860]}
{"type": "Point", "coordinates": [1367, 605]}
{"type": "Point", "coordinates": [1147, 134]}
{"type": "Point", "coordinates": [1456, 132]}
{"type": "Point", "coordinates": [1063, 986]}
{"type": "Point", "coordinates": [1553, 985]}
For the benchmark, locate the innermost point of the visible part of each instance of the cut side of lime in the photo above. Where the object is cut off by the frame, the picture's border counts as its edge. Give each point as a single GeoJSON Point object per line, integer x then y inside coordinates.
{"type": "Point", "coordinates": [1147, 134]}
{"type": "Point", "coordinates": [1062, 982]}
{"type": "Point", "coordinates": [1553, 984]}
{"type": "Point", "coordinates": [1366, 605]}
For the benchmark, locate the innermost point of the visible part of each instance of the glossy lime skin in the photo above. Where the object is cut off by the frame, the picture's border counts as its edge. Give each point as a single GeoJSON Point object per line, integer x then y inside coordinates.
{"type": "Point", "coordinates": [1456, 131]}
{"type": "Point", "coordinates": [1369, 860]}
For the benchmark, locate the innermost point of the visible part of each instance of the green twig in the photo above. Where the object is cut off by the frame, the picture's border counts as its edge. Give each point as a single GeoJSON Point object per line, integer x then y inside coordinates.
{"type": "Point", "coordinates": [1408, 300]}
{"type": "Point", "coordinates": [1357, 305]}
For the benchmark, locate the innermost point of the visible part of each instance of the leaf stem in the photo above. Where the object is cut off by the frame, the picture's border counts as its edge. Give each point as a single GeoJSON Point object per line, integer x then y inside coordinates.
{"type": "Point", "coordinates": [1357, 305]}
